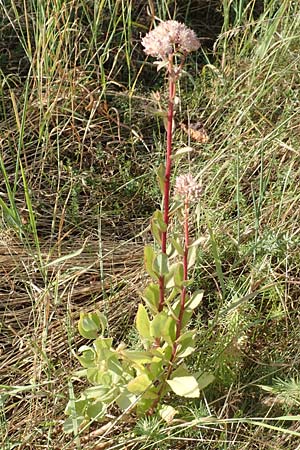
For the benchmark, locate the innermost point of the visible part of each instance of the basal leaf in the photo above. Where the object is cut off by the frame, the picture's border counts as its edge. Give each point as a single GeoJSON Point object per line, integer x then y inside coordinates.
{"type": "Point", "coordinates": [126, 399]}
{"type": "Point", "coordinates": [98, 392]}
{"type": "Point", "coordinates": [96, 410]}
{"type": "Point", "coordinates": [87, 357]}
{"type": "Point", "coordinates": [97, 375]}
{"type": "Point", "coordinates": [91, 323]}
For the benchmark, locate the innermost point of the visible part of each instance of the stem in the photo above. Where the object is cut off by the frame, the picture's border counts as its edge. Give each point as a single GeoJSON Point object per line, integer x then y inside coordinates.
{"type": "Point", "coordinates": [182, 305]}
{"type": "Point", "coordinates": [166, 199]}
{"type": "Point", "coordinates": [185, 266]}
{"type": "Point", "coordinates": [172, 90]}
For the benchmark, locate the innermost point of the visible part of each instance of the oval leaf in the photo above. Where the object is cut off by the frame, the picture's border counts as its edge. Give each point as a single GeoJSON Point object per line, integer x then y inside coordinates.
{"type": "Point", "coordinates": [139, 384]}
{"type": "Point", "coordinates": [143, 322]}
{"type": "Point", "coordinates": [205, 379]}
{"type": "Point", "coordinates": [160, 264]}
{"type": "Point", "coordinates": [185, 386]}
{"type": "Point", "coordinates": [90, 324]}
{"type": "Point", "coordinates": [149, 257]}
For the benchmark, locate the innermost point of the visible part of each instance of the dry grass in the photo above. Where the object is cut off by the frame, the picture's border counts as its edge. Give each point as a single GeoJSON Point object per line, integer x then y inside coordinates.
{"type": "Point", "coordinates": [38, 325]}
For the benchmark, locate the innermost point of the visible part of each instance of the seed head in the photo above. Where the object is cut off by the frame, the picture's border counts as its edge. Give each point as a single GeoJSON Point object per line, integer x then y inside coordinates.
{"type": "Point", "coordinates": [169, 37]}
{"type": "Point", "coordinates": [187, 187]}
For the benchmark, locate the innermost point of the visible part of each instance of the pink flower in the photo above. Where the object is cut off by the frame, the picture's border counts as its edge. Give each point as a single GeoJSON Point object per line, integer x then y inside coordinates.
{"type": "Point", "coordinates": [187, 187]}
{"type": "Point", "coordinates": [169, 37]}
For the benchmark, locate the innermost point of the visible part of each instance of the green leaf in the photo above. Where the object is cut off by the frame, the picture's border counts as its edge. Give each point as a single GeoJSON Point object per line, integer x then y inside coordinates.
{"type": "Point", "coordinates": [126, 399]}
{"type": "Point", "coordinates": [178, 247]}
{"type": "Point", "coordinates": [158, 226]}
{"type": "Point", "coordinates": [76, 410]}
{"type": "Point", "coordinates": [186, 344]}
{"type": "Point", "coordinates": [143, 322]}
{"type": "Point", "coordinates": [115, 368]}
{"type": "Point", "coordinates": [192, 256]}
{"type": "Point", "coordinates": [158, 324]}
{"type": "Point", "coordinates": [102, 343]}
{"type": "Point", "coordinates": [162, 353]}
{"type": "Point", "coordinates": [178, 275]}
{"type": "Point", "coordinates": [156, 367]}
{"type": "Point", "coordinates": [135, 356]}
{"type": "Point", "coordinates": [149, 257]}
{"type": "Point", "coordinates": [88, 357]}
{"type": "Point", "coordinates": [91, 323]}
{"type": "Point", "coordinates": [169, 278]}
{"type": "Point", "coordinates": [175, 277]}
{"type": "Point", "coordinates": [195, 300]}
{"type": "Point", "coordinates": [160, 264]}
{"type": "Point", "coordinates": [96, 410]}
{"type": "Point", "coordinates": [187, 314]}
{"type": "Point", "coordinates": [161, 177]}
{"type": "Point", "coordinates": [169, 333]}
{"type": "Point", "coordinates": [186, 386]}
{"type": "Point", "coordinates": [173, 295]}
{"type": "Point", "coordinates": [186, 317]}
{"type": "Point", "coordinates": [100, 392]}
{"type": "Point", "coordinates": [159, 220]}
{"type": "Point", "coordinates": [205, 379]}
{"type": "Point", "coordinates": [163, 326]}
{"type": "Point", "coordinates": [151, 297]}
{"type": "Point", "coordinates": [76, 407]}
{"type": "Point", "coordinates": [156, 232]}
{"type": "Point", "coordinates": [143, 405]}
{"type": "Point", "coordinates": [96, 375]}
{"type": "Point", "coordinates": [139, 384]}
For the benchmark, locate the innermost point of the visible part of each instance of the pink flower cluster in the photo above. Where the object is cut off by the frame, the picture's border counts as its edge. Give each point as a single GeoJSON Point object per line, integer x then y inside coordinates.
{"type": "Point", "coordinates": [187, 187]}
{"type": "Point", "coordinates": [169, 37]}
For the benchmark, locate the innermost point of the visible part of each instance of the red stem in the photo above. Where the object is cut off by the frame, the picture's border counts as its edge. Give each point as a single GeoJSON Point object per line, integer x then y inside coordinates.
{"type": "Point", "coordinates": [166, 199]}
{"type": "Point", "coordinates": [182, 302]}
{"type": "Point", "coordinates": [185, 266]}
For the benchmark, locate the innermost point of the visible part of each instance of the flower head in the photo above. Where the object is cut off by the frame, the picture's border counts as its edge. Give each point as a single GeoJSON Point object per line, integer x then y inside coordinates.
{"type": "Point", "coordinates": [169, 37]}
{"type": "Point", "coordinates": [187, 187]}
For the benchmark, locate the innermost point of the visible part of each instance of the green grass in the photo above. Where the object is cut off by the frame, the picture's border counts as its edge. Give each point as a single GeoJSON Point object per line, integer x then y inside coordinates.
{"type": "Point", "coordinates": [78, 152]}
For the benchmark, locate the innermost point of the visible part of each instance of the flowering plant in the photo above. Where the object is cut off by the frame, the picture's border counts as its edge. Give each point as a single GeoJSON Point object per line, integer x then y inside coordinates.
{"type": "Point", "coordinates": [141, 379]}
